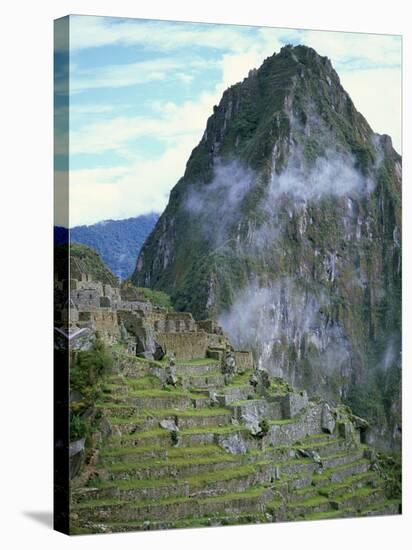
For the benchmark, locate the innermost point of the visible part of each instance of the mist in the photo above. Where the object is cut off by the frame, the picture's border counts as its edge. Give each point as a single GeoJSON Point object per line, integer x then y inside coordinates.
{"type": "Point", "coordinates": [333, 174]}
{"type": "Point", "coordinates": [270, 316]}
{"type": "Point", "coordinates": [272, 319]}
{"type": "Point", "coordinates": [216, 205]}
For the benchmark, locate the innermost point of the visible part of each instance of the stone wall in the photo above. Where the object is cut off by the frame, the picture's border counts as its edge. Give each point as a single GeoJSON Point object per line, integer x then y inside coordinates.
{"type": "Point", "coordinates": [259, 408]}
{"type": "Point", "coordinates": [86, 285]}
{"type": "Point", "coordinates": [293, 403]}
{"type": "Point", "coordinates": [307, 424]}
{"type": "Point", "coordinates": [244, 360]}
{"type": "Point", "coordinates": [103, 321]}
{"type": "Point", "coordinates": [86, 298]}
{"type": "Point", "coordinates": [211, 326]}
{"type": "Point", "coordinates": [111, 292]}
{"type": "Point", "coordinates": [175, 322]}
{"type": "Point", "coordinates": [184, 345]}
{"type": "Point", "coordinates": [134, 306]}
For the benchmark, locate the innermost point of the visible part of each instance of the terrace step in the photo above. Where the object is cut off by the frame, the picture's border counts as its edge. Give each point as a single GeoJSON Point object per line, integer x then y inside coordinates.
{"type": "Point", "coordinates": [350, 484]}
{"type": "Point", "coordinates": [328, 514]}
{"type": "Point", "coordinates": [189, 418]}
{"type": "Point", "coordinates": [211, 483]}
{"type": "Point", "coordinates": [160, 452]}
{"type": "Point", "coordinates": [207, 521]}
{"type": "Point", "coordinates": [159, 399]}
{"type": "Point", "coordinates": [172, 468]}
{"type": "Point", "coordinates": [340, 473]}
{"type": "Point", "coordinates": [187, 438]}
{"type": "Point", "coordinates": [324, 446]}
{"type": "Point", "coordinates": [148, 477]}
{"type": "Point", "coordinates": [201, 401]}
{"type": "Point", "coordinates": [192, 369]}
{"type": "Point", "coordinates": [383, 508]}
{"type": "Point", "coordinates": [303, 494]}
{"type": "Point", "coordinates": [331, 461]}
{"type": "Point", "coordinates": [232, 394]}
{"type": "Point", "coordinates": [173, 509]}
{"type": "Point", "coordinates": [359, 499]}
{"type": "Point", "coordinates": [133, 491]}
{"type": "Point", "coordinates": [205, 381]}
{"type": "Point", "coordinates": [330, 449]}
{"type": "Point", "coordinates": [310, 505]}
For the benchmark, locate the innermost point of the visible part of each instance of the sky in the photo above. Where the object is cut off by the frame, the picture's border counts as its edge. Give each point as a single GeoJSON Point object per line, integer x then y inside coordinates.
{"type": "Point", "coordinates": [141, 92]}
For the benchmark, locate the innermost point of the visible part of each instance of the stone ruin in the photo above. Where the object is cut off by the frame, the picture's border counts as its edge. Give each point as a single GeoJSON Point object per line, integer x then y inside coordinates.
{"type": "Point", "coordinates": [125, 316]}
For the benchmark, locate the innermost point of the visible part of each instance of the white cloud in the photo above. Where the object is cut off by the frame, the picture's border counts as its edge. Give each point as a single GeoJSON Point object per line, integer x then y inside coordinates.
{"type": "Point", "coordinates": [172, 123]}
{"type": "Point", "coordinates": [121, 192]}
{"type": "Point", "coordinates": [82, 110]}
{"type": "Point", "coordinates": [354, 50]}
{"type": "Point", "coordinates": [377, 94]}
{"type": "Point", "coordinates": [166, 36]}
{"type": "Point", "coordinates": [93, 32]}
{"type": "Point", "coordinates": [130, 74]}
{"type": "Point", "coordinates": [366, 64]}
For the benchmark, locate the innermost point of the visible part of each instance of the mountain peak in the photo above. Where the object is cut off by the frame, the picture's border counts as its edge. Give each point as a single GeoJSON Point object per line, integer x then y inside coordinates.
{"type": "Point", "coordinates": [292, 95]}
{"type": "Point", "coordinates": [286, 226]}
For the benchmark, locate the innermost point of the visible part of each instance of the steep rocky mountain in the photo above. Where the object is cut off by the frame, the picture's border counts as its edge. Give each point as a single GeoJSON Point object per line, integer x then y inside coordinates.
{"type": "Point", "coordinates": [117, 241]}
{"type": "Point", "coordinates": [287, 227]}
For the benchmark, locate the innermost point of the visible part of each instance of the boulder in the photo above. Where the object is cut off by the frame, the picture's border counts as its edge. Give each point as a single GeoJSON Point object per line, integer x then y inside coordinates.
{"type": "Point", "coordinates": [327, 420]}
{"type": "Point", "coordinates": [233, 444]}
{"type": "Point", "coordinates": [229, 364]}
{"type": "Point", "coordinates": [169, 425]}
{"type": "Point", "coordinates": [251, 422]}
{"type": "Point", "coordinates": [263, 377]}
{"type": "Point", "coordinates": [158, 353]}
{"type": "Point", "coordinates": [105, 427]}
{"type": "Point", "coordinates": [171, 378]}
{"type": "Point", "coordinates": [309, 453]}
{"type": "Point", "coordinates": [75, 396]}
{"type": "Point", "coordinates": [145, 342]}
{"type": "Point", "coordinates": [253, 380]}
{"type": "Point", "coordinates": [214, 399]}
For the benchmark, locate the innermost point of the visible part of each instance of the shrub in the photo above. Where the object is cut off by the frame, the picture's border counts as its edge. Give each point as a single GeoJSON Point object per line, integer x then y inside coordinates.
{"type": "Point", "coordinates": [86, 374]}
{"type": "Point", "coordinates": [157, 297]}
{"type": "Point", "coordinates": [174, 436]}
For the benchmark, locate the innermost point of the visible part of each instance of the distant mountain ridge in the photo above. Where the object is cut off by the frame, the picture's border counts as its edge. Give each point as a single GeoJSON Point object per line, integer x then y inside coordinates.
{"type": "Point", "coordinates": [117, 241]}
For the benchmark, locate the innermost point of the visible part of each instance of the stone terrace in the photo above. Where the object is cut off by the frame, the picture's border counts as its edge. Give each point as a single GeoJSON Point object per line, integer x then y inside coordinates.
{"type": "Point", "coordinates": [188, 444]}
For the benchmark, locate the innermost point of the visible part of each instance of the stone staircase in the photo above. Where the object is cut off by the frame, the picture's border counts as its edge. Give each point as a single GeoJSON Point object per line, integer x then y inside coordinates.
{"type": "Point", "coordinates": [209, 469]}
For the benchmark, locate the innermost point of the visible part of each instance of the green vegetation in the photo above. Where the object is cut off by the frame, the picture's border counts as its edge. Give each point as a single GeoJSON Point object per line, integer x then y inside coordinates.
{"type": "Point", "coordinates": [87, 371]}
{"type": "Point", "coordinates": [390, 467]}
{"type": "Point", "coordinates": [174, 437]}
{"type": "Point", "coordinates": [93, 264]}
{"type": "Point", "coordinates": [199, 362]}
{"type": "Point", "coordinates": [171, 452]}
{"type": "Point", "coordinates": [172, 463]}
{"type": "Point", "coordinates": [117, 241]}
{"type": "Point", "coordinates": [157, 297]}
{"type": "Point", "coordinates": [170, 413]}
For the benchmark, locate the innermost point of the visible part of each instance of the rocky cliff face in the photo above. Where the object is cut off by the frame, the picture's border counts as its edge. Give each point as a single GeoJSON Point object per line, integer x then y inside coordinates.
{"type": "Point", "coordinates": [287, 226]}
